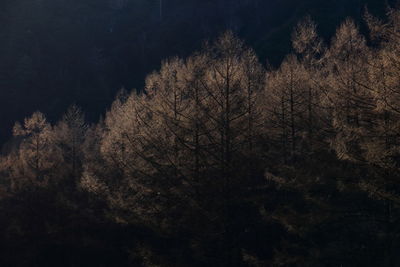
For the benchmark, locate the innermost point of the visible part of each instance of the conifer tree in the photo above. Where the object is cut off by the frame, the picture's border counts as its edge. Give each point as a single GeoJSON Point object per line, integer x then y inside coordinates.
{"type": "Point", "coordinates": [37, 155]}
{"type": "Point", "coordinates": [351, 98]}
{"type": "Point", "coordinates": [69, 137]}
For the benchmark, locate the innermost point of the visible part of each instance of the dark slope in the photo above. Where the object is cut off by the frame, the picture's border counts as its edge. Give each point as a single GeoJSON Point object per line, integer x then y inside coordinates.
{"type": "Point", "coordinates": [57, 52]}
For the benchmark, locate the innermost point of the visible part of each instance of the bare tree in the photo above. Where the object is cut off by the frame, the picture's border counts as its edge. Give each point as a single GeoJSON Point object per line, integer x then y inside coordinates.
{"type": "Point", "coordinates": [349, 91]}
{"type": "Point", "coordinates": [37, 154]}
{"type": "Point", "coordinates": [70, 135]}
{"type": "Point", "coordinates": [311, 50]}
{"type": "Point", "coordinates": [285, 102]}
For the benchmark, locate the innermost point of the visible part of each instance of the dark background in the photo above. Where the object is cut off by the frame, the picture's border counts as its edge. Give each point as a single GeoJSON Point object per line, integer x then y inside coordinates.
{"type": "Point", "coordinates": [57, 52]}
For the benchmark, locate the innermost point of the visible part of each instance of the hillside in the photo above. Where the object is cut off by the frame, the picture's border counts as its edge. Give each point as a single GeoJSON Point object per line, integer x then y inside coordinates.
{"type": "Point", "coordinates": [219, 159]}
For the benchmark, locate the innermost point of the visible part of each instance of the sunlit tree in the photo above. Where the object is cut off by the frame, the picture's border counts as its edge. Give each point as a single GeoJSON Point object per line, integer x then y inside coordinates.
{"type": "Point", "coordinates": [69, 136]}
{"type": "Point", "coordinates": [37, 155]}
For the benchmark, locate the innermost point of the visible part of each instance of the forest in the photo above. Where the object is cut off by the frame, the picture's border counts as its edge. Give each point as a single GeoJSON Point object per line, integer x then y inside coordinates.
{"type": "Point", "coordinates": [54, 53]}
{"type": "Point", "coordinates": [220, 160]}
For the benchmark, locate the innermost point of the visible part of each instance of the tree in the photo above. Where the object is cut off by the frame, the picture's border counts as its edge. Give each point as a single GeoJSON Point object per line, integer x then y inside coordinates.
{"type": "Point", "coordinates": [69, 136]}
{"type": "Point", "coordinates": [311, 52]}
{"type": "Point", "coordinates": [176, 150]}
{"type": "Point", "coordinates": [285, 101]}
{"type": "Point", "coordinates": [37, 156]}
{"type": "Point", "coordinates": [349, 95]}
{"type": "Point", "coordinates": [383, 149]}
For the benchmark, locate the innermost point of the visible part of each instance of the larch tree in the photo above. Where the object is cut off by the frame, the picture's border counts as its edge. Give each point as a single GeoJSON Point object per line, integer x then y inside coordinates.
{"type": "Point", "coordinates": [311, 51]}
{"type": "Point", "coordinates": [349, 95]}
{"type": "Point", "coordinates": [122, 171]}
{"type": "Point", "coordinates": [285, 103]}
{"type": "Point", "coordinates": [69, 136]}
{"type": "Point", "coordinates": [253, 82]}
{"type": "Point", "coordinates": [168, 95]}
{"type": "Point", "coordinates": [37, 154]}
{"type": "Point", "coordinates": [231, 119]}
{"type": "Point", "coordinates": [185, 146]}
{"type": "Point", "coordinates": [379, 141]}
{"type": "Point", "coordinates": [341, 105]}
{"type": "Point", "coordinates": [383, 150]}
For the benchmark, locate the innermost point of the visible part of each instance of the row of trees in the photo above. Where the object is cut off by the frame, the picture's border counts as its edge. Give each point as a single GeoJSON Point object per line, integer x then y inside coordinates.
{"type": "Point", "coordinates": [109, 44]}
{"type": "Point", "coordinates": [244, 166]}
